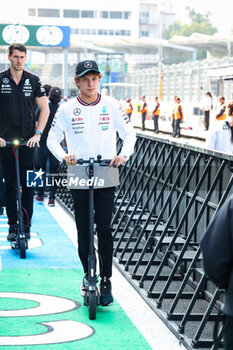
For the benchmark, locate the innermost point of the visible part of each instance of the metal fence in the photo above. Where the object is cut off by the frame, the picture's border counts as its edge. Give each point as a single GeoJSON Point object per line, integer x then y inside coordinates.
{"type": "Point", "coordinates": [168, 194]}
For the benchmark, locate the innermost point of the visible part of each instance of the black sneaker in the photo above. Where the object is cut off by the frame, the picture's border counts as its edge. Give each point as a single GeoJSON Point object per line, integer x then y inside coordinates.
{"type": "Point", "coordinates": [27, 231]}
{"type": "Point", "coordinates": [85, 281]}
{"type": "Point", "coordinates": [13, 230]}
{"type": "Point", "coordinates": [106, 297]}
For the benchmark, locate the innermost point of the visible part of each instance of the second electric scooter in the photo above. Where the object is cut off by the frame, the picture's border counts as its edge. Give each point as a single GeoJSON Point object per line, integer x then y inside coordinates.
{"type": "Point", "coordinates": [20, 243]}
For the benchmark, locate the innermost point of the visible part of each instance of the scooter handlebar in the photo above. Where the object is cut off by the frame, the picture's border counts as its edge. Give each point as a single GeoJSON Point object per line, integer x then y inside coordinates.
{"type": "Point", "coordinates": [16, 143]}
{"type": "Point", "coordinates": [101, 162]}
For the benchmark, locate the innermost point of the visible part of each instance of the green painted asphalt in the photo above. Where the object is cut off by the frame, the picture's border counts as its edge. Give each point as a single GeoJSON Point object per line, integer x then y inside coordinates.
{"type": "Point", "coordinates": [112, 328]}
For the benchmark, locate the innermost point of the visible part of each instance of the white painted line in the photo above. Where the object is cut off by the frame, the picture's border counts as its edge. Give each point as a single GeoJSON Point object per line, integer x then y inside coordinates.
{"type": "Point", "coordinates": [33, 234]}
{"type": "Point", "coordinates": [148, 323]}
{"type": "Point", "coordinates": [33, 243]}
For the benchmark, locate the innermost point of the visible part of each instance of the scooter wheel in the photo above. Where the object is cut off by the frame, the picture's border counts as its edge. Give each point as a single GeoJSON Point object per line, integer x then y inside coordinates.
{"type": "Point", "coordinates": [22, 248]}
{"type": "Point", "coordinates": [92, 305]}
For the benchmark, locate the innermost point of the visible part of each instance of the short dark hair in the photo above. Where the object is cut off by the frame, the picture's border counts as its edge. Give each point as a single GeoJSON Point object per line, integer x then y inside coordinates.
{"type": "Point", "coordinates": [55, 94]}
{"type": "Point", "coordinates": [17, 46]}
{"type": "Point", "coordinates": [47, 88]}
{"type": "Point", "coordinates": [230, 106]}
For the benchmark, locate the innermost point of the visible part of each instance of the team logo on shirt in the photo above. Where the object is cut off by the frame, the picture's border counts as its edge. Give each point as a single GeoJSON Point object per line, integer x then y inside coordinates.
{"type": "Point", "coordinates": [77, 111]}
{"type": "Point", "coordinates": [104, 111]}
{"type": "Point", "coordinates": [27, 88]}
{"type": "Point", "coordinates": [104, 118]}
{"type": "Point", "coordinates": [80, 119]}
{"type": "Point", "coordinates": [5, 86]}
{"type": "Point", "coordinates": [226, 126]}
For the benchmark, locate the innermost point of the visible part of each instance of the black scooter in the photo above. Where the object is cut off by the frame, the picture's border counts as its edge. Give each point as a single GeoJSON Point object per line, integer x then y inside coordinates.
{"type": "Point", "coordinates": [91, 293]}
{"type": "Point", "coordinates": [21, 243]}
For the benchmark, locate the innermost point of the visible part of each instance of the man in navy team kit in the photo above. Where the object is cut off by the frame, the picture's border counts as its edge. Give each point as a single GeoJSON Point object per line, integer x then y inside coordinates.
{"type": "Point", "coordinates": [19, 90]}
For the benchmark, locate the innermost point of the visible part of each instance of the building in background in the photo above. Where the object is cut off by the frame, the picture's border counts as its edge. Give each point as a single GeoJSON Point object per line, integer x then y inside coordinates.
{"type": "Point", "coordinates": [107, 31]}
{"type": "Point", "coordinates": [94, 20]}
{"type": "Point", "coordinates": [125, 37]}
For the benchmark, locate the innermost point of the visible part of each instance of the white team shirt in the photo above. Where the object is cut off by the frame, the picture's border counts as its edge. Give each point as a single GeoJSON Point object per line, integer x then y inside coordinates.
{"type": "Point", "coordinates": [206, 103]}
{"type": "Point", "coordinates": [90, 130]}
{"type": "Point", "coordinates": [219, 138]}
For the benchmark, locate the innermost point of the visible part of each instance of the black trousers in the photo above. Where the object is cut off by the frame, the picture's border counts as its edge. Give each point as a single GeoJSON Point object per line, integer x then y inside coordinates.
{"type": "Point", "coordinates": [207, 119]}
{"type": "Point", "coordinates": [129, 115]}
{"type": "Point", "coordinates": [156, 123]}
{"type": "Point", "coordinates": [26, 162]}
{"type": "Point", "coordinates": [143, 120]}
{"type": "Point", "coordinates": [228, 332]}
{"type": "Point", "coordinates": [176, 127]}
{"type": "Point", "coordinates": [2, 196]}
{"type": "Point", "coordinates": [103, 207]}
{"type": "Point", "coordinates": [43, 155]}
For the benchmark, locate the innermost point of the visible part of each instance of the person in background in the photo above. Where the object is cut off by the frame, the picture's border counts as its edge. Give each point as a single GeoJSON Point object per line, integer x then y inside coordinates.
{"type": "Point", "coordinates": [207, 105]}
{"type": "Point", "coordinates": [128, 108]}
{"type": "Point", "coordinates": [156, 114]}
{"type": "Point", "coordinates": [220, 137]}
{"type": "Point", "coordinates": [173, 110]}
{"type": "Point", "coordinates": [178, 118]}
{"type": "Point", "coordinates": [19, 91]}
{"type": "Point", "coordinates": [47, 88]}
{"type": "Point", "coordinates": [43, 153]}
{"type": "Point", "coordinates": [144, 111]}
{"type": "Point", "coordinates": [221, 115]}
{"type": "Point", "coordinates": [216, 247]}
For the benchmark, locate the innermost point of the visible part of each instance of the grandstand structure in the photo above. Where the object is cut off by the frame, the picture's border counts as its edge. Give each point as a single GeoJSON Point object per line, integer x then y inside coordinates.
{"type": "Point", "coordinates": [189, 80]}
{"type": "Point", "coordinates": [126, 40]}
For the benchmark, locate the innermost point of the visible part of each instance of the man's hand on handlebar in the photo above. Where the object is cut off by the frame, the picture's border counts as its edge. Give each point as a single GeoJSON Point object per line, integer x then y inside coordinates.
{"type": "Point", "coordinates": [70, 159]}
{"type": "Point", "coordinates": [2, 142]}
{"type": "Point", "coordinates": [117, 161]}
{"type": "Point", "coordinates": [33, 141]}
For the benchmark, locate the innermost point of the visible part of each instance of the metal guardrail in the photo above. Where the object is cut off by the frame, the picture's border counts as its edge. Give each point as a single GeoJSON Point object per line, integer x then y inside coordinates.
{"type": "Point", "coordinates": [168, 194]}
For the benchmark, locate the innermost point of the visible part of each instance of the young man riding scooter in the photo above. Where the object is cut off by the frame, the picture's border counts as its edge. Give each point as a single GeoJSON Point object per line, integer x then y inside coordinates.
{"type": "Point", "coordinates": [90, 122]}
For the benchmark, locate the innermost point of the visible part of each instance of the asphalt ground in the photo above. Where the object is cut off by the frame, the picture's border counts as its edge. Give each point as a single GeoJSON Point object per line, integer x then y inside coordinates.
{"type": "Point", "coordinates": [40, 302]}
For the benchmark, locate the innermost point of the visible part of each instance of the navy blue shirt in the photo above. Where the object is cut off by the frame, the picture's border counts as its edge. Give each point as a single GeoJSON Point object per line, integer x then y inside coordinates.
{"type": "Point", "coordinates": [17, 105]}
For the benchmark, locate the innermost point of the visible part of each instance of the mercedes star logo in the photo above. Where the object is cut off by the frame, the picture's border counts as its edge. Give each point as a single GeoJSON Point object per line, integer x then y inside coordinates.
{"type": "Point", "coordinates": [88, 64]}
